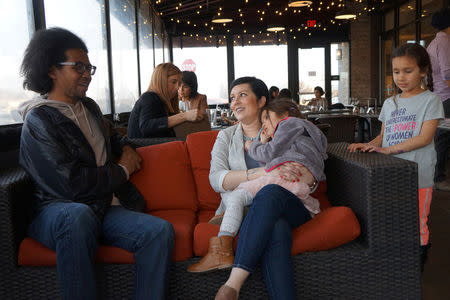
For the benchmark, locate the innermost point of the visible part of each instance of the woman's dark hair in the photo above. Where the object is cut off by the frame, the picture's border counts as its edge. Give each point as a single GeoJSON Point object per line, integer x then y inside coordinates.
{"type": "Point", "coordinates": [441, 19]}
{"type": "Point", "coordinates": [281, 106]}
{"type": "Point", "coordinates": [259, 88]}
{"type": "Point", "coordinates": [284, 93]}
{"type": "Point", "coordinates": [46, 49]}
{"type": "Point", "coordinates": [422, 58]}
{"type": "Point", "coordinates": [272, 90]}
{"type": "Point", "coordinates": [318, 88]}
{"type": "Point", "coordinates": [190, 79]}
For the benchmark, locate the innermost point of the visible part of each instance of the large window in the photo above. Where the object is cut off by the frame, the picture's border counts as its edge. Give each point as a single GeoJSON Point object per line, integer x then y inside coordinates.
{"type": "Point", "coordinates": [124, 55]}
{"type": "Point", "coordinates": [86, 19]}
{"type": "Point", "coordinates": [411, 16]}
{"type": "Point", "coordinates": [158, 38]}
{"type": "Point", "coordinates": [14, 33]}
{"type": "Point", "coordinates": [387, 87]}
{"type": "Point", "coordinates": [407, 12]}
{"type": "Point", "coordinates": [266, 62]}
{"type": "Point", "coordinates": [209, 64]}
{"type": "Point", "coordinates": [145, 44]}
{"type": "Point", "coordinates": [389, 20]}
{"type": "Point", "coordinates": [427, 32]}
{"type": "Point", "coordinates": [407, 34]}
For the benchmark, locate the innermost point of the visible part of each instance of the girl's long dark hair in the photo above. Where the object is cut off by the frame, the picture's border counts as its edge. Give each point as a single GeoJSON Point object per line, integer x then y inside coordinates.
{"type": "Point", "coordinates": [422, 58]}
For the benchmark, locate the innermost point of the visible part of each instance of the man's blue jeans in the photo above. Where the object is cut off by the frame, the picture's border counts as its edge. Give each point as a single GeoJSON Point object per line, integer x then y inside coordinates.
{"type": "Point", "coordinates": [74, 231]}
{"type": "Point", "coordinates": [265, 237]}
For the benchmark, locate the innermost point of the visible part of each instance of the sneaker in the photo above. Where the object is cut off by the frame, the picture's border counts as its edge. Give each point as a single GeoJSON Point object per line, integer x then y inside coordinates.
{"type": "Point", "coordinates": [442, 186]}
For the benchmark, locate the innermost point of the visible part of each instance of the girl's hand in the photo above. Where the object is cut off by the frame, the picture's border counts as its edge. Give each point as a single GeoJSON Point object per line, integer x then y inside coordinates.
{"type": "Point", "coordinates": [359, 147]}
{"type": "Point", "coordinates": [380, 150]}
{"type": "Point", "coordinates": [265, 138]}
{"type": "Point", "coordinates": [290, 171]}
{"type": "Point", "coordinates": [368, 148]}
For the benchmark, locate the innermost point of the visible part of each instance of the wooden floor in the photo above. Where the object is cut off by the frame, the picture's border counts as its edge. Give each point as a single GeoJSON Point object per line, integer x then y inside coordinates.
{"type": "Point", "coordinates": [436, 276]}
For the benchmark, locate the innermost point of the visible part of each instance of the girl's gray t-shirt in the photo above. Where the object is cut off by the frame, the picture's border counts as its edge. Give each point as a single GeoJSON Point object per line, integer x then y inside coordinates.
{"type": "Point", "coordinates": [404, 121]}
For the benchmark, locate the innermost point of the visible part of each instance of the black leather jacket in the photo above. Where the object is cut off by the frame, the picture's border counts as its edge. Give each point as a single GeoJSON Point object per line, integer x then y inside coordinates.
{"type": "Point", "coordinates": [59, 159]}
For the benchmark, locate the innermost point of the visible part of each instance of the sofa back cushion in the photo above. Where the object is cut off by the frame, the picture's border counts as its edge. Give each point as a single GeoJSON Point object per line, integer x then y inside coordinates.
{"type": "Point", "coordinates": [199, 146]}
{"type": "Point", "coordinates": [165, 179]}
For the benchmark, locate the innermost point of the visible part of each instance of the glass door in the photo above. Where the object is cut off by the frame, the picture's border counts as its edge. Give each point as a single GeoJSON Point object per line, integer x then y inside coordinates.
{"type": "Point", "coordinates": [311, 68]}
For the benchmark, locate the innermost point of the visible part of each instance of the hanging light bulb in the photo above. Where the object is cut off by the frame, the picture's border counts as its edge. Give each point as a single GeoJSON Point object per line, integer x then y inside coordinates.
{"type": "Point", "coordinates": [275, 28]}
{"type": "Point", "coordinates": [345, 14]}
{"type": "Point", "coordinates": [221, 18]}
{"type": "Point", "coordinates": [299, 3]}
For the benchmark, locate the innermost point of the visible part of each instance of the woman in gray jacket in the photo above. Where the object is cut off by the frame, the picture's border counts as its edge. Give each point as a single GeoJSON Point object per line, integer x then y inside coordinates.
{"type": "Point", "coordinates": [265, 234]}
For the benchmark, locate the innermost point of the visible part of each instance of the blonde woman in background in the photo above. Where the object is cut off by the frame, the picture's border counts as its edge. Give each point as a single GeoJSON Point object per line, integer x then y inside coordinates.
{"type": "Point", "coordinates": [156, 112]}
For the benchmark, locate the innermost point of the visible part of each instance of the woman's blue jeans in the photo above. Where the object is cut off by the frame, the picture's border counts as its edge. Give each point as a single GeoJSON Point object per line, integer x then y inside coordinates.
{"type": "Point", "coordinates": [265, 237]}
{"type": "Point", "coordinates": [74, 231]}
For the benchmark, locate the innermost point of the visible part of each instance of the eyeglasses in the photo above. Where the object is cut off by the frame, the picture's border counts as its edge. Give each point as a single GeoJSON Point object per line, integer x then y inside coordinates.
{"type": "Point", "coordinates": [80, 67]}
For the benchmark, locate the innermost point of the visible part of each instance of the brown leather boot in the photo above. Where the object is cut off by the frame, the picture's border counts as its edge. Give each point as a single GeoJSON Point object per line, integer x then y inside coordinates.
{"type": "Point", "coordinates": [220, 255]}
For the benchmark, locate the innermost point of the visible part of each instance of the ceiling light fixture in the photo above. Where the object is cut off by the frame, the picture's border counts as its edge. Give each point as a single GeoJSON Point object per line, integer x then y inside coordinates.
{"type": "Point", "coordinates": [345, 14]}
{"type": "Point", "coordinates": [275, 28]}
{"type": "Point", "coordinates": [221, 19]}
{"type": "Point", "coordinates": [302, 3]}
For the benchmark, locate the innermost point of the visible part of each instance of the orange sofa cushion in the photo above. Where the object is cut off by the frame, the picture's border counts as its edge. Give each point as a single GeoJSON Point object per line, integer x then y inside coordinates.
{"type": "Point", "coordinates": [321, 194]}
{"type": "Point", "coordinates": [199, 146]}
{"type": "Point", "coordinates": [165, 179]}
{"type": "Point", "coordinates": [32, 254]}
{"type": "Point", "coordinates": [183, 222]}
{"type": "Point", "coordinates": [330, 228]}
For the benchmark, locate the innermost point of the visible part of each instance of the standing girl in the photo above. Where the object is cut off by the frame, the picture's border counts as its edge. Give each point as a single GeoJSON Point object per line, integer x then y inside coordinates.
{"type": "Point", "coordinates": [409, 122]}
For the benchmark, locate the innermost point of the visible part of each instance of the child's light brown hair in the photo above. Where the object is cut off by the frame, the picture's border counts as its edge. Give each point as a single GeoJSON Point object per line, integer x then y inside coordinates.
{"type": "Point", "coordinates": [282, 106]}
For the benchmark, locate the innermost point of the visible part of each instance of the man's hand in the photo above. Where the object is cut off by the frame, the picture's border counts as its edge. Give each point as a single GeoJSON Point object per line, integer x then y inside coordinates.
{"type": "Point", "coordinates": [130, 160]}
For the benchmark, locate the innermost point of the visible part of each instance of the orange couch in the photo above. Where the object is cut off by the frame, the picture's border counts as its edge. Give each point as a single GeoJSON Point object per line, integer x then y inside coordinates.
{"type": "Point", "coordinates": [174, 182]}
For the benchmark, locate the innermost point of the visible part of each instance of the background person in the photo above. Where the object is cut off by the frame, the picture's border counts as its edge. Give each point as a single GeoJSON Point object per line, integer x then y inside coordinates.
{"type": "Point", "coordinates": [284, 93]}
{"type": "Point", "coordinates": [188, 94]}
{"type": "Point", "coordinates": [70, 153]}
{"type": "Point", "coordinates": [156, 112]}
{"type": "Point", "coordinates": [273, 93]}
{"type": "Point", "coordinates": [318, 99]}
{"type": "Point", "coordinates": [439, 51]}
{"type": "Point", "coordinates": [266, 241]}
